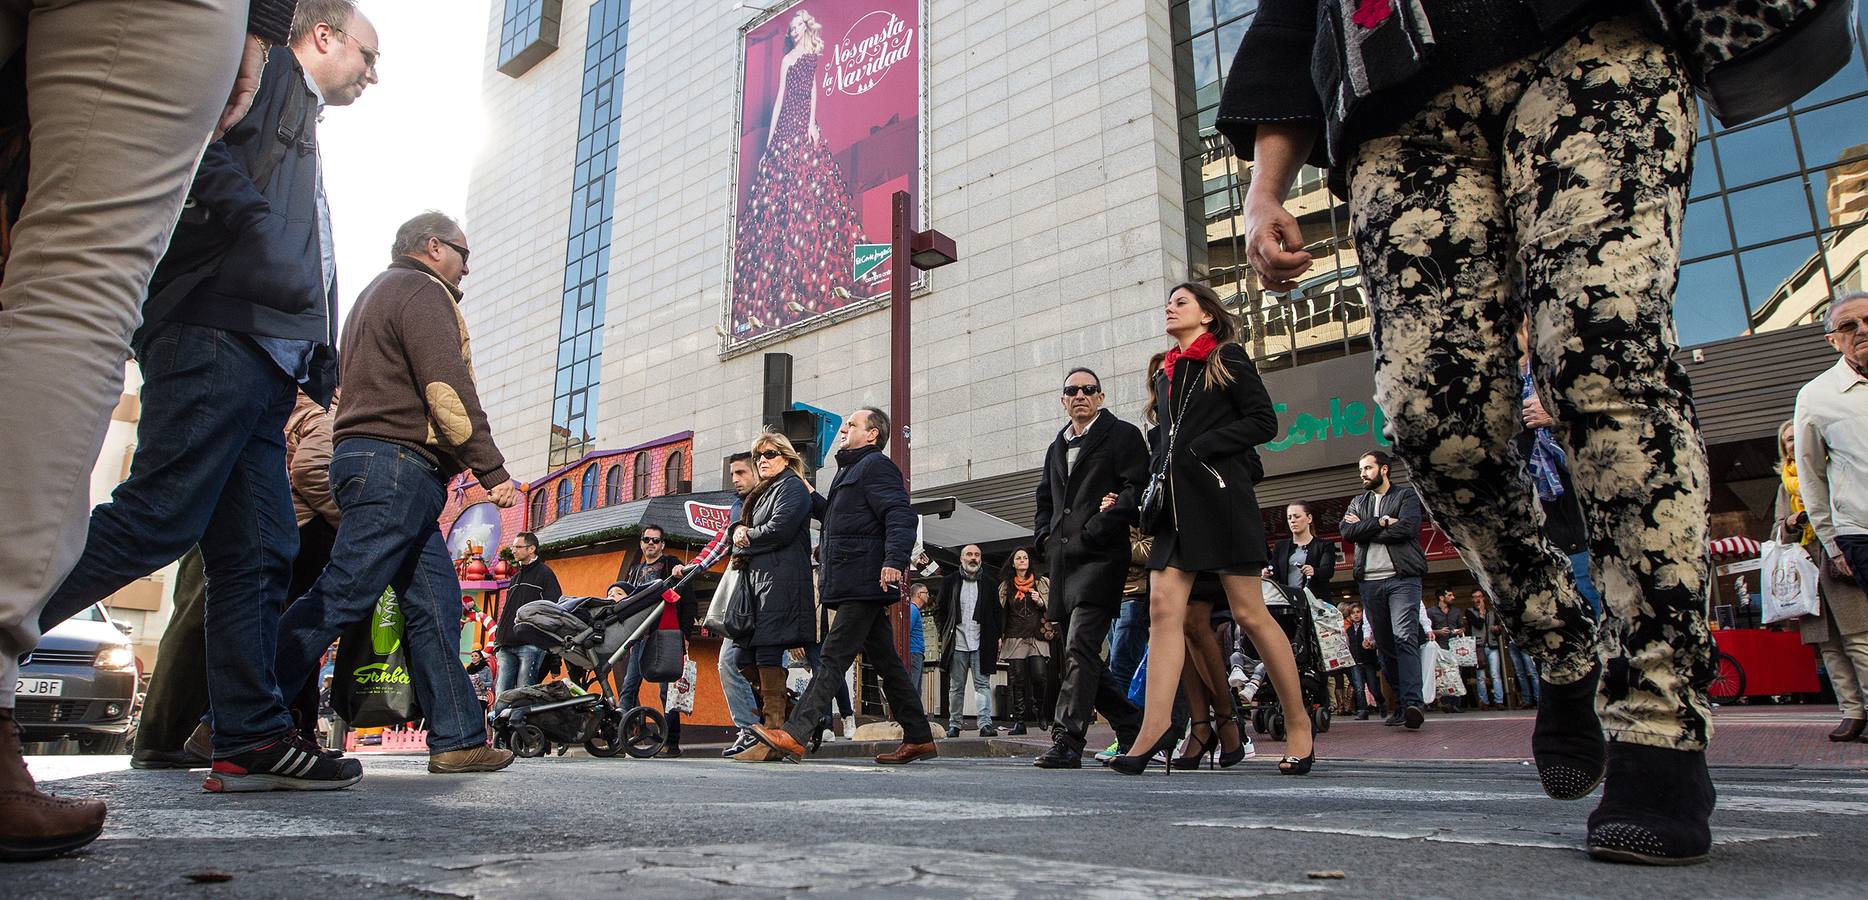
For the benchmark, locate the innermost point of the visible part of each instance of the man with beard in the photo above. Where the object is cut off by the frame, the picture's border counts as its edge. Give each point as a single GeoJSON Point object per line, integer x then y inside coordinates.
{"type": "Point", "coordinates": [1096, 454]}
{"type": "Point", "coordinates": [1384, 524]}
{"type": "Point", "coordinates": [969, 617]}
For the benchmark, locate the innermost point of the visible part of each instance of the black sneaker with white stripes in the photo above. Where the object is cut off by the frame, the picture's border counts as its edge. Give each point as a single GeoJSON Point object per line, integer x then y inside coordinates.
{"type": "Point", "coordinates": [746, 741]}
{"type": "Point", "coordinates": [290, 763]}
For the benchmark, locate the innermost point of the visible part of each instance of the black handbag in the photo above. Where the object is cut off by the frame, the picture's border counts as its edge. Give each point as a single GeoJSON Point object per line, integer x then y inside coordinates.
{"type": "Point", "coordinates": [1750, 58]}
{"type": "Point", "coordinates": [664, 649]}
{"type": "Point", "coordinates": [742, 611]}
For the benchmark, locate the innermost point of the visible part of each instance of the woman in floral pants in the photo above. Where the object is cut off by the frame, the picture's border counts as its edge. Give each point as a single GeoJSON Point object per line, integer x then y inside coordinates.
{"type": "Point", "coordinates": [1548, 184]}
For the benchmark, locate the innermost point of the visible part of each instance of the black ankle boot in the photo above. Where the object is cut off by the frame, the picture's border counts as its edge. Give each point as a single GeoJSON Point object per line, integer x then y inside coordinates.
{"type": "Point", "coordinates": [1567, 741]}
{"type": "Point", "coordinates": [1655, 806]}
{"type": "Point", "coordinates": [1066, 753]}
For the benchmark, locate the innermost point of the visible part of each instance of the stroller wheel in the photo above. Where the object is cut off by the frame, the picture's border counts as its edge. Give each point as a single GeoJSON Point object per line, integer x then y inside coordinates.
{"type": "Point", "coordinates": [606, 737]}
{"type": "Point", "coordinates": [528, 741]}
{"type": "Point", "coordinates": [1277, 727]}
{"type": "Point", "coordinates": [1258, 721]}
{"type": "Point", "coordinates": [1321, 719]}
{"type": "Point", "coordinates": [642, 732]}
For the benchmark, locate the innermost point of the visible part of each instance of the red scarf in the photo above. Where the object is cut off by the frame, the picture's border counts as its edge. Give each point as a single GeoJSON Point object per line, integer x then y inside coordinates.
{"type": "Point", "coordinates": [1201, 348]}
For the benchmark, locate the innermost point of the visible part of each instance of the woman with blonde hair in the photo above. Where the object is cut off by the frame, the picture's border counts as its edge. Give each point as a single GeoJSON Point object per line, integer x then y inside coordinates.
{"type": "Point", "coordinates": [1840, 630]}
{"type": "Point", "coordinates": [772, 550]}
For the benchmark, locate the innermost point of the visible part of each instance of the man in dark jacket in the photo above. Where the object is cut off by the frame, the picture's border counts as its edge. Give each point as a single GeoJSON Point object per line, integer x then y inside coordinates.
{"type": "Point", "coordinates": [410, 421]}
{"type": "Point", "coordinates": [518, 663]}
{"type": "Point", "coordinates": [238, 321]}
{"type": "Point", "coordinates": [869, 532]}
{"type": "Point", "coordinates": [1087, 548]}
{"type": "Point", "coordinates": [1384, 525]}
{"type": "Point", "coordinates": [970, 625]}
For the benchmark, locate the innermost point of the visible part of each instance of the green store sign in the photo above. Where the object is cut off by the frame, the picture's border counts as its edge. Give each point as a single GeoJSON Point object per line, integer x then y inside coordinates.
{"type": "Point", "coordinates": [1343, 419]}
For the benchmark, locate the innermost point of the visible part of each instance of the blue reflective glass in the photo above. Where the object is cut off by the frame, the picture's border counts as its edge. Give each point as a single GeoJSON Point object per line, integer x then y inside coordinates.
{"type": "Point", "coordinates": [1757, 153]}
{"type": "Point", "coordinates": [1704, 232]}
{"type": "Point", "coordinates": [1834, 133]}
{"type": "Point", "coordinates": [1708, 306]}
{"type": "Point", "coordinates": [1771, 211]}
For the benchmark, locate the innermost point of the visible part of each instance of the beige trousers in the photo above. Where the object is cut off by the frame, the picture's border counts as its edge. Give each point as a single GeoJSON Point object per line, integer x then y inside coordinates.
{"type": "Point", "coordinates": [1846, 658]}
{"type": "Point", "coordinates": [123, 95]}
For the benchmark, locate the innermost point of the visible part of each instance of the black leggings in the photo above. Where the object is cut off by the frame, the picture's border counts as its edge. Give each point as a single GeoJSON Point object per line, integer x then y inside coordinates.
{"type": "Point", "coordinates": [1031, 689]}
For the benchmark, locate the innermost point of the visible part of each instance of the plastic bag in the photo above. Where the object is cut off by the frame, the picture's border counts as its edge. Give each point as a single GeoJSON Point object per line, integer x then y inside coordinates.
{"type": "Point", "coordinates": [1138, 686]}
{"type": "Point", "coordinates": [370, 685]}
{"type": "Point", "coordinates": [1465, 651]}
{"type": "Point", "coordinates": [1332, 635]}
{"type": "Point", "coordinates": [1789, 582]}
{"type": "Point", "coordinates": [1447, 682]}
{"type": "Point", "coordinates": [681, 693]}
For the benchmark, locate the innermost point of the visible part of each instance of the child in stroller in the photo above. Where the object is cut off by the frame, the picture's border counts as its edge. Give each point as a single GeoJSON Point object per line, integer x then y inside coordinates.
{"type": "Point", "coordinates": [1295, 614]}
{"type": "Point", "coordinates": [595, 633]}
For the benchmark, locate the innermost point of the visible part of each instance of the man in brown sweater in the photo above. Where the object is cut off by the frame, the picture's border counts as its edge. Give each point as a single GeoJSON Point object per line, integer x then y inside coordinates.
{"type": "Point", "coordinates": [411, 420]}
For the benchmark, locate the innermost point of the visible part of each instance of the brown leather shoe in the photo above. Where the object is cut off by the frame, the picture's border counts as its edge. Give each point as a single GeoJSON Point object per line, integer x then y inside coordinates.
{"type": "Point", "coordinates": [780, 740]}
{"type": "Point", "coordinates": [33, 824]}
{"type": "Point", "coordinates": [908, 753]}
{"type": "Point", "coordinates": [472, 759]}
{"type": "Point", "coordinates": [1849, 730]}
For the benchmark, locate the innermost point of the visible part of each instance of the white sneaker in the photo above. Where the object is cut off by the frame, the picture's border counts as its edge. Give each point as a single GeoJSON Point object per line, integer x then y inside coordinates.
{"type": "Point", "coordinates": [1250, 751]}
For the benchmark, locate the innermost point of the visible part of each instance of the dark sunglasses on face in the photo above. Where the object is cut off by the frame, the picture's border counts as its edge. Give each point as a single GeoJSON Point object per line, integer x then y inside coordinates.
{"type": "Point", "coordinates": [653, 540]}
{"type": "Point", "coordinates": [1087, 390]}
{"type": "Point", "coordinates": [463, 251]}
{"type": "Point", "coordinates": [1848, 326]}
{"type": "Point", "coordinates": [770, 454]}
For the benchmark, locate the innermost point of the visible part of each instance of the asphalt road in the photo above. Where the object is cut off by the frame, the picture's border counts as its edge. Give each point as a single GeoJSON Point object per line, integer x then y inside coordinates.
{"type": "Point", "coordinates": [698, 827]}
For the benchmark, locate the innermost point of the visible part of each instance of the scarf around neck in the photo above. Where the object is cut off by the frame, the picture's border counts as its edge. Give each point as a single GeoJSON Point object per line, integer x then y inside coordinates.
{"type": "Point", "coordinates": [1025, 584]}
{"type": "Point", "coordinates": [1201, 348]}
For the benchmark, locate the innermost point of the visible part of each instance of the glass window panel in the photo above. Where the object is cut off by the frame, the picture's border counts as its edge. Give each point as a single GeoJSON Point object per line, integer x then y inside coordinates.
{"type": "Point", "coordinates": [1205, 65]}
{"type": "Point", "coordinates": [1704, 232]}
{"type": "Point", "coordinates": [1775, 210]}
{"type": "Point", "coordinates": [1784, 282]}
{"type": "Point", "coordinates": [1705, 170]}
{"type": "Point", "coordinates": [1848, 260]}
{"type": "Point", "coordinates": [1757, 153]}
{"type": "Point", "coordinates": [1852, 79]}
{"type": "Point", "coordinates": [1228, 9]}
{"type": "Point", "coordinates": [1230, 36]}
{"type": "Point", "coordinates": [1707, 306]}
{"type": "Point", "coordinates": [1834, 133]}
{"type": "Point", "coordinates": [1199, 16]}
{"type": "Point", "coordinates": [1841, 193]}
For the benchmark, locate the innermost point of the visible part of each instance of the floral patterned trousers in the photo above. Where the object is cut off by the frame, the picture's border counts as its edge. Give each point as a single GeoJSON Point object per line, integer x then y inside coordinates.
{"type": "Point", "coordinates": [1552, 187]}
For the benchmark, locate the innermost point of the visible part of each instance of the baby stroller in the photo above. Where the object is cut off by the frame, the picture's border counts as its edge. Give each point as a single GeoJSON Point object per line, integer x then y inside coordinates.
{"type": "Point", "coordinates": [1293, 614]}
{"type": "Point", "coordinates": [596, 634]}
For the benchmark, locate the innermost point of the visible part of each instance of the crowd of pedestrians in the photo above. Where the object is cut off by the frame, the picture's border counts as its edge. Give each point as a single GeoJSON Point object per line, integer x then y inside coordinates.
{"type": "Point", "coordinates": [1485, 204]}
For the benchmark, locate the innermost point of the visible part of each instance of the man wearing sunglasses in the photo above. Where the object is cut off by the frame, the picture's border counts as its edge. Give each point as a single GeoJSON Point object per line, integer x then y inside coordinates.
{"type": "Point", "coordinates": [654, 564]}
{"type": "Point", "coordinates": [1831, 430]}
{"type": "Point", "coordinates": [1087, 550]}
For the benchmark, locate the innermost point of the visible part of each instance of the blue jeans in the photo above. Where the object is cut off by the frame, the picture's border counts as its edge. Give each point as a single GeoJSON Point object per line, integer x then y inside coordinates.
{"type": "Point", "coordinates": [741, 702]}
{"type": "Point", "coordinates": [1525, 670]}
{"type": "Point", "coordinates": [1364, 681]}
{"type": "Point", "coordinates": [518, 667]}
{"type": "Point", "coordinates": [1491, 687]}
{"type": "Point", "coordinates": [1128, 637]}
{"type": "Point", "coordinates": [390, 496]}
{"type": "Point", "coordinates": [1586, 582]}
{"type": "Point", "coordinates": [1392, 606]}
{"type": "Point", "coordinates": [209, 469]}
{"type": "Point", "coordinates": [968, 661]}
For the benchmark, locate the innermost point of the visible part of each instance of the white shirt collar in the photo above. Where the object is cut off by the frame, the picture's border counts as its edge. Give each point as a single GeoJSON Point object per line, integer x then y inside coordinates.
{"type": "Point", "coordinates": [314, 88]}
{"type": "Point", "coordinates": [1843, 377]}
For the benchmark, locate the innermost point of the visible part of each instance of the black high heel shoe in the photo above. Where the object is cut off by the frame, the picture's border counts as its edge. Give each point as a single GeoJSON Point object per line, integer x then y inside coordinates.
{"type": "Point", "coordinates": [1291, 765]}
{"type": "Point", "coordinates": [1230, 758]}
{"type": "Point", "coordinates": [1201, 749]}
{"type": "Point", "coordinates": [1136, 765]}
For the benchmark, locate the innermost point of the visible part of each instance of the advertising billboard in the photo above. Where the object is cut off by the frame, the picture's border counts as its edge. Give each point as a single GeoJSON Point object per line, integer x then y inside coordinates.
{"type": "Point", "coordinates": [829, 129]}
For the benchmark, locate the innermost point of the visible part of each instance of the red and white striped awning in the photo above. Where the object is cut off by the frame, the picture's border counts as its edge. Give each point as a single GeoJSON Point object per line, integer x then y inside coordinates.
{"type": "Point", "coordinates": [1735, 548]}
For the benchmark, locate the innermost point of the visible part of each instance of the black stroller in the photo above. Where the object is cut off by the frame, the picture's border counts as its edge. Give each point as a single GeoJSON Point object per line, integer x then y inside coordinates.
{"type": "Point", "coordinates": [596, 634]}
{"type": "Point", "coordinates": [1292, 612]}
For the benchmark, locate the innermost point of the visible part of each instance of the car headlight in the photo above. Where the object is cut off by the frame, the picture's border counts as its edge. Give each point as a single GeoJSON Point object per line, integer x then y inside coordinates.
{"type": "Point", "coordinates": [116, 659]}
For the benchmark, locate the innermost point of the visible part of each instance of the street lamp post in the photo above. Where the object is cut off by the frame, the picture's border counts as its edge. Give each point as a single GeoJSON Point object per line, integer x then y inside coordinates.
{"type": "Point", "coordinates": [909, 250]}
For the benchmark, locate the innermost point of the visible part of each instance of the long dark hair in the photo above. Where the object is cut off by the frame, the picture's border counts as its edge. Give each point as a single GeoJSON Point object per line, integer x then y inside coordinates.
{"type": "Point", "coordinates": [1010, 571]}
{"type": "Point", "coordinates": [1154, 365]}
{"type": "Point", "coordinates": [1224, 328]}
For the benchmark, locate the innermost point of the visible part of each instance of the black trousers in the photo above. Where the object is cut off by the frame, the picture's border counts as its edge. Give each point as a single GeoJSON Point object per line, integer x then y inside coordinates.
{"type": "Point", "coordinates": [1087, 685]}
{"type": "Point", "coordinates": [178, 690]}
{"type": "Point", "coordinates": [860, 628]}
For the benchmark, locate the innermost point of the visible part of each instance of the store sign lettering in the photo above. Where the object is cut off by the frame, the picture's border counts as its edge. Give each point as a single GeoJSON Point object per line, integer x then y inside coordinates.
{"type": "Point", "coordinates": [868, 51]}
{"type": "Point", "coordinates": [1354, 418]}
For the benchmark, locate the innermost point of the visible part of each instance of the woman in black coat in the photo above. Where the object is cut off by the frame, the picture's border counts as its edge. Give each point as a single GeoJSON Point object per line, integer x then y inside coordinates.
{"type": "Point", "coordinates": [1213, 411]}
{"type": "Point", "coordinates": [772, 547]}
{"type": "Point", "coordinates": [1303, 560]}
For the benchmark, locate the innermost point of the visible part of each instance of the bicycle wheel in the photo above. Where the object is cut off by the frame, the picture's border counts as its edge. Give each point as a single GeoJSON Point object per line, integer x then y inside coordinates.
{"type": "Point", "coordinates": [1728, 679]}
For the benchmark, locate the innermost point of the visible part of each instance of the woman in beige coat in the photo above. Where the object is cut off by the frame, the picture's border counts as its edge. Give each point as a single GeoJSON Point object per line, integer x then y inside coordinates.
{"type": "Point", "coordinates": [1841, 631]}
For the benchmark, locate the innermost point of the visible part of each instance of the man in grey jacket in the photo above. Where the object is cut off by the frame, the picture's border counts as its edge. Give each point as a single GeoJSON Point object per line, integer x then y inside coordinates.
{"type": "Point", "coordinates": [1384, 525]}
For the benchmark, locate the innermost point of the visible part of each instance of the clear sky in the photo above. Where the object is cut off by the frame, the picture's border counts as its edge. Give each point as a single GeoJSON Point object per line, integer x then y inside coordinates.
{"type": "Point", "coordinates": [409, 143]}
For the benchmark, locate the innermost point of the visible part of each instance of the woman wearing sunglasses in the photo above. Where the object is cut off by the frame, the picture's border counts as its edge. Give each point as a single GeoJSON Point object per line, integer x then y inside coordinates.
{"type": "Point", "coordinates": [772, 549]}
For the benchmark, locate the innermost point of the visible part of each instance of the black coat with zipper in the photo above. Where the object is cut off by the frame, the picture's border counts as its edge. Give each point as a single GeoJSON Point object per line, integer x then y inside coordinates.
{"type": "Point", "coordinates": [1086, 547]}
{"type": "Point", "coordinates": [776, 564]}
{"type": "Point", "coordinates": [1210, 521]}
{"type": "Point", "coordinates": [1401, 536]}
{"type": "Point", "coordinates": [868, 526]}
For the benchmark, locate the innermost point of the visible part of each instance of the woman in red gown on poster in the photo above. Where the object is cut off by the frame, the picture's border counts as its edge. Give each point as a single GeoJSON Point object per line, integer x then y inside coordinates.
{"type": "Point", "coordinates": [798, 232]}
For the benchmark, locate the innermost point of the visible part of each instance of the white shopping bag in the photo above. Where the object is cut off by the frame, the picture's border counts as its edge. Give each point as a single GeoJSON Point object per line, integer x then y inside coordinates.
{"type": "Point", "coordinates": [1789, 582]}
{"type": "Point", "coordinates": [1332, 636]}
{"type": "Point", "coordinates": [1465, 651]}
{"type": "Point", "coordinates": [1447, 682]}
{"type": "Point", "coordinates": [681, 693]}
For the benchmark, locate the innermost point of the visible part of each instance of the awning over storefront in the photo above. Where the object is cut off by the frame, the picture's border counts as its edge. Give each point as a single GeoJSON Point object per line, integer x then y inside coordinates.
{"type": "Point", "coordinates": [686, 518]}
{"type": "Point", "coordinates": [962, 525]}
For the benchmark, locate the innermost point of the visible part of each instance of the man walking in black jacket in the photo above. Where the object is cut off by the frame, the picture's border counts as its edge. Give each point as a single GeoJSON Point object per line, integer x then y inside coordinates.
{"type": "Point", "coordinates": [1087, 547]}
{"type": "Point", "coordinates": [970, 625]}
{"type": "Point", "coordinates": [869, 531]}
{"type": "Point", "coordinates": [518, 663]}
{"type": "Point", "coordinates": [1384, 525]}
{"type": "Point", "coordinates": [240, 318]}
